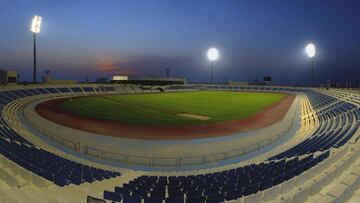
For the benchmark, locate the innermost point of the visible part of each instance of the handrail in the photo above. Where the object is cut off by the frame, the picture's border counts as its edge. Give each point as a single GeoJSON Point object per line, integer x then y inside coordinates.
{"type": "Point", "coordinates": [154, 162]}
{"type": "Point", "coordinates": [75, 146]}
{"type": "Point", "coordinates": [149, 161]}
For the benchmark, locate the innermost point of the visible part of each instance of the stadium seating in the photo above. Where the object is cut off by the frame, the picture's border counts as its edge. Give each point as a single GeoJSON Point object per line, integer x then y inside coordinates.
{"type": "Point", "coordinates": [218, 186]}
{"type": "Point", "coordinates": [56, 169]}
{"type": "Point", "coordinates": [324, 155]}
{"type": "Point", "coordinates": [338, 121]}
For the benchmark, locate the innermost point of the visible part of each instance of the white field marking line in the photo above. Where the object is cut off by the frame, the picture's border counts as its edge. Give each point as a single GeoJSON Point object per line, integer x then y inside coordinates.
{"type": "Point", "coordinates": [194, 116]}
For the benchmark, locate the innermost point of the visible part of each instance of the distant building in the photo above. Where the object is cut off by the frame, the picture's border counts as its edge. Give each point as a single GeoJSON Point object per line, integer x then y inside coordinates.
{"type": "Point", "coordinates": [267, 80]}
{"type": "Point", "coordinates": [47, 79]}
{"type": "Point", "coordinates": [148, 80]}
{"type": "Point", "coordinates": [8, 77]}
{"type": "Point", "coordinates": [234, 83]}
{"type": "Point", "coordinates": [102, 80]}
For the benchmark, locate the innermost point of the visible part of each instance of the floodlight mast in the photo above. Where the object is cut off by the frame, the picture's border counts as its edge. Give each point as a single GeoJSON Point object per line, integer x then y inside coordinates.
{"type": "Point", "coordinates": [213, 55]}
{"type": "Point", "coordinates": [35, 29]}
{"type": "Point", "coordinates": [310, 50]}
{"type": "Point", "coordinates": [312, 72]}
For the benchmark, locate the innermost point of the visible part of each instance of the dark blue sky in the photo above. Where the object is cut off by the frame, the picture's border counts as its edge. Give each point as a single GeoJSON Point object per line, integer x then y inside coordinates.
{"type": "Point", "coordinates": [255, 38]}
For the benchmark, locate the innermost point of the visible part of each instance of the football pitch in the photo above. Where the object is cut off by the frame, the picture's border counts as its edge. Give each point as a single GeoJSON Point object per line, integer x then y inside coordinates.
{"type": "Point", "coordinates": [180, 108]}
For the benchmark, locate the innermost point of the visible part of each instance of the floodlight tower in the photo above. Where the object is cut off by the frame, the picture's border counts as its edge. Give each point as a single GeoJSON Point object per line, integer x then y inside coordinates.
{"type": "Point", "coordinates": [213, 55]}
{"type": "Point", "coordinates": [311, 51]}
{"type": "Point", "coordinates": [35, 29]}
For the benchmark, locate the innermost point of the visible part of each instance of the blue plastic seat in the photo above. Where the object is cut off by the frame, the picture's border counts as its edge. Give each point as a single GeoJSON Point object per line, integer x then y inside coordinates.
{"type": "Point", "coordinates": [153, 200]}
{"type": "Point", "coordinates": [122, 191]}
{"type": "Point", "coordinates": [198, 199]}
{"type": "Point", "coordinates": [132, 199]}
{"type": "Point", "coordinates": [174, 200]}
{"type": "Point", "coordinates": [112, 196]}
{"type": "Point", "coordinates": [251, 189]}
{"type": "Point", "coordinates": [266, 184]}
{"type": "Point", "coordinates": [233, 194]}
{"type": "Point", "coordinates": [215, 198]}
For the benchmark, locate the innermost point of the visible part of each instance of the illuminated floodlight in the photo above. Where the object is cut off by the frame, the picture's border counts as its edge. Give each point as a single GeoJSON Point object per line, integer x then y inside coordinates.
{"type": "Point", "coordinates": [35, 29]}
{"type": "Point", "coordinates": [36, 24]}
{"type": "Point", "coordinates": [310, 50]}
{"type": "Point", "coordinates": [213, 54]}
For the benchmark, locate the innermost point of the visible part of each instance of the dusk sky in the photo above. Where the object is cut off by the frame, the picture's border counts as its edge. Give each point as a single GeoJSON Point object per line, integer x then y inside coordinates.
{"type": "Point", "coordinates": [254, 38]}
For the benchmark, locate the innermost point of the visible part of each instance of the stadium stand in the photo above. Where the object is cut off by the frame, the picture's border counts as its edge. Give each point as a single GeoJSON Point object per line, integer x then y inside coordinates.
{"type": "Point", "coordinates": [320, 164]}
{"type": "Point", "coordinates": [218, 186]}
{"type": "Point", "coordinates": [254, 182]}
{"type": "Point", "coordinates": [337, 126]}
{"type": "Point", "coordinates": [45, 164]}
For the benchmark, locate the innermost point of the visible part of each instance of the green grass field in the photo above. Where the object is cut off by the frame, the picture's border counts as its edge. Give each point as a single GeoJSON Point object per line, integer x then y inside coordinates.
{"type": "Point", "coordinates": [162, 109]}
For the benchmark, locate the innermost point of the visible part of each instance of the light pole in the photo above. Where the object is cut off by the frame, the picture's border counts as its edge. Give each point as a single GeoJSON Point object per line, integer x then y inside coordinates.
{"type": "Point", "coordinates": [35, 29]}
{"type": "Point", "coordinates": [311, 51]}
{"type": "Point", "coordinates": [213, 55]}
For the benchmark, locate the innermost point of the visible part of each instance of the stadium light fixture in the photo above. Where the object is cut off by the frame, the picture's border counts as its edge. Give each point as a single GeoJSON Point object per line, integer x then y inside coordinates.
{"type": "Point", "coordinates": [213, 55]}
{"type": "Point", "coordinates": [310, 50]}
{"type": "Point", "coordinates": [35, 29]}
{"type": "Point", "coordinates": [36, 24]}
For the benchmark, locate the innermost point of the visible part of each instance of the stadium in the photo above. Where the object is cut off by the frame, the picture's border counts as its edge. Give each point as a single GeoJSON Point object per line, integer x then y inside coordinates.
{"type": "Point", "coordinates": [155, 139]}
{"type": "Point", "coordinates": [311, 146]}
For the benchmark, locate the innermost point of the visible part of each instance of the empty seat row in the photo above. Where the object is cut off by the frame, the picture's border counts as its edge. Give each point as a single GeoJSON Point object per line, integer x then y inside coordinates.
{"type": "Point", "coordinates": [54, 168]}
{"type": "Point", "coordinates": [214, 187]}
{"type": "Point", "coordinates": [338, 123]}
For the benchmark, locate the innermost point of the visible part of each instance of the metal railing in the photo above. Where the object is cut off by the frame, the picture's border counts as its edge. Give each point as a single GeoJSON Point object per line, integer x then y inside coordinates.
{"type": "Point", "coordinates": [149, 161]}
{"type": "Point", "coordinates": [178, 162]}
{"type": "Point", "coordinates": [158, 162]}
{"type": "Point", "coordinates": [75, 146]}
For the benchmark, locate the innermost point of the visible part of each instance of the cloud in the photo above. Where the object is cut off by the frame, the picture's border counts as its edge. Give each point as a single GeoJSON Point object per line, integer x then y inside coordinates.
{"type": "Point", "coordinates": [139, 64]}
